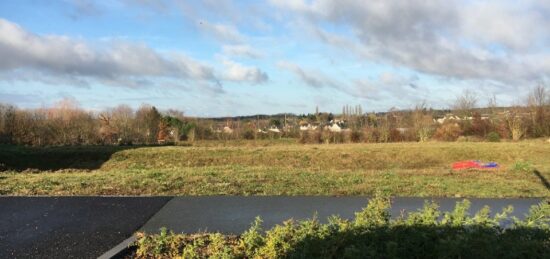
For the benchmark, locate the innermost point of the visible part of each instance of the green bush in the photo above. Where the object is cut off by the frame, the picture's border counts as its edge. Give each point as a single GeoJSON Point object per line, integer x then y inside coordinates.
{"type": "Point", "coordinates": [522, 166]}
{"type": "Point", "coordinates": [493, 137]}
{"type": "Point", "coordinates": [426, 233]}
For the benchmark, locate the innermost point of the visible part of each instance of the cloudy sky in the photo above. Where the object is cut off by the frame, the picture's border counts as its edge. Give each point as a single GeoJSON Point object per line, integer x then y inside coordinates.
{"type": "Point", "coordinates": [223, 57]}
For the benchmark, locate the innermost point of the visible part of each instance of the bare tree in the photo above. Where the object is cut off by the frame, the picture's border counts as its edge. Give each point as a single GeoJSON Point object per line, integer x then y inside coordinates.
{"type": "Point", "coordinates": [147, 120]}
{"type": "Point", "coordinates": [539, 96]}
{"type": "Point", "coordinates": [537, 102]}
{"type": "Point", "coordinates": [123, 120]}
{"type": "Point", "coordinates": [516, 125]}
{"type": "Point", "coordinates": [7, 120]}
{"type": "Point", "coordinates": [422, 122]}
{"type": "Point", "coordinates": [465, 103]}
{"type": "Point", "coordinates": [492, 104]}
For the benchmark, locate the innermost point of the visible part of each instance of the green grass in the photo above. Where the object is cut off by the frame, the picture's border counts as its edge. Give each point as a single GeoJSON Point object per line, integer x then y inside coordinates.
{"type": "Point", "coordinates": [426, 233]}
{"type": "Point", "coordinates": [276, 168]}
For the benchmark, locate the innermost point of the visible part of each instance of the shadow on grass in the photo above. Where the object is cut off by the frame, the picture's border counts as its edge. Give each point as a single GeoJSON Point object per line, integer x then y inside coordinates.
{"type": "Point", "coordinates": [20, 158]}
{"type": "Point", "coordinates": [543, 179]}
{"type": "Point", "coordinates": [426, 242]}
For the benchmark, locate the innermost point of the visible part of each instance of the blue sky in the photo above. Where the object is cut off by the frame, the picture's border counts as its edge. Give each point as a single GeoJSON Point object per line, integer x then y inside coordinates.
{"type": "Point", "coordinates": [223, 57]}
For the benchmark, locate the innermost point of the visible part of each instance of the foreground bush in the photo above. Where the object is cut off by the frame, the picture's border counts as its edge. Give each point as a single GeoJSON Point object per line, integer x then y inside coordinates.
{"type": "Point", "coordinates": [427, 233]}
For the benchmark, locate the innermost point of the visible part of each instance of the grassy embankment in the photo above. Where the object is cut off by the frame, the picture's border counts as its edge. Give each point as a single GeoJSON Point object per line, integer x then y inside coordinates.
{"type": "Point", "coordinates": [278, 168]}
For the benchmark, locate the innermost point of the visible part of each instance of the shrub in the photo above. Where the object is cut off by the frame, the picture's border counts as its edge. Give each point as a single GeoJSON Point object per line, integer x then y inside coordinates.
{"type": "Point", "coordinates": [448, 132]}
{"type": "Point", "coordinates": [517, 126]}
{"type": "Point", "coordinates": [469, 139]}
{"type": "Point", "coordinates": [357, 136]}
{"type": "Point", "coordinates": [423, 134]}
{"type": "Point", "coordinates": [493, 137]}
{"type": "Point", "coordinates": [426, 233]}
{"type": "Point", "coordinates": [326, 137]}
{"type": "Point", "coordinates": [502, 129]}
{"type": "Point", "coordinates": [479, 127]}
{"type": "Point", "coordinates": [249, 134]}
{"type": "Point", "coordinates": [310, 137]}
{"type": "Point", "coordinates": [371, 135]}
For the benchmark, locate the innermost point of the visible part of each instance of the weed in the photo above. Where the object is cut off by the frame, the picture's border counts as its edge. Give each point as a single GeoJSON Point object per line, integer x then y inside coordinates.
{"type": "Point", "coordinates": [522, 166]}
{"type": "Point", "coordinates": [493, 137]}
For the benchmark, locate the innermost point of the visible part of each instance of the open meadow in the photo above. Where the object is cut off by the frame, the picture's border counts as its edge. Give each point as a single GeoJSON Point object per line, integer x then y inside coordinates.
{"type": "Point", "coordinates": [278, 167]}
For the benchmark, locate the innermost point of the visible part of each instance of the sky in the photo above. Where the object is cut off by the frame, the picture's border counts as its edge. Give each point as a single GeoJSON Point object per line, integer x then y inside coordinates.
{"type": "Point", "coordinates": [225, 58]}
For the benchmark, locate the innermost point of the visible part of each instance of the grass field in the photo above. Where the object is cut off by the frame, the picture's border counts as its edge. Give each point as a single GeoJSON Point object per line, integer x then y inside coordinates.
{"type": "Point", "coordinates": [278, 168]}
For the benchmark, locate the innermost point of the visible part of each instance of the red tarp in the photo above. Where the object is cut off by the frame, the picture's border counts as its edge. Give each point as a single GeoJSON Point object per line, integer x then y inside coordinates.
{"type": "Point", "coordinates": [473, 164]}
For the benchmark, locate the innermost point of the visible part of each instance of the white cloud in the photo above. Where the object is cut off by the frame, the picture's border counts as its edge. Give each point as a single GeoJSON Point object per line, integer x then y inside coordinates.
{"type": "Point", "coordinates": [241, 51]}
{"type": "Point", "coordinates": [240, 73]}
{"type": "Point", "coordinates": [222, 32]}
{"type": "Point", "coordinates": [64, 57]}
{"type": "Point", "coordinates": [315, 79]}
{"type": "Point", "coordinates": [386, 86]}
{"type": "Point", "coordinates": [490, 40]}
{"type": "Point", "coordinates": [514, 25]}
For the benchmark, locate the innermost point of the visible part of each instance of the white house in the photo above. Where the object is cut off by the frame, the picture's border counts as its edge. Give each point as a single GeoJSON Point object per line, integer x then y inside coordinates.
{"type": "Point", "coordinates": [447, 117]}
{"type": "Point", "coordinates": [402, 131]}
{"type": "Point", "coordinates": [274, 129]}
{"type": "Point", "coordinates": [307, 127]}
{"type": "Point", "coordinates": [334, 128]}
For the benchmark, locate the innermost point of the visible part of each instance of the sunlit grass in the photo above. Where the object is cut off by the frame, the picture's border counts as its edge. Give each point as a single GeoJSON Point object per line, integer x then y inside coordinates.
{"type": "Point", "coordinates": [402, 169]}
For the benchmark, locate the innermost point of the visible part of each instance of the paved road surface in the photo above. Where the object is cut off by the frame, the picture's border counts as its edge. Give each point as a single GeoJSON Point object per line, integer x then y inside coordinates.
{"type": "Point", "coordinates": [86, 227]}
{"type": "Point", "coordinates": [70, 227]}
{"type": "Point", "coordinates": [233, 214]}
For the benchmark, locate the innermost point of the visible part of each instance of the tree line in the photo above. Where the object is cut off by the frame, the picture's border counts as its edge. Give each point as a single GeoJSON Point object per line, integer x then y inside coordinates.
{"type": "Point", "coordinates": [65, 123]}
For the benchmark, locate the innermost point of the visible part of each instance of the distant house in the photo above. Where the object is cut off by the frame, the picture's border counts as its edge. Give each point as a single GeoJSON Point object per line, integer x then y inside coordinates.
{"type": "Point", "coordinates": [274, 129]}
{"type": "Point", "coordinates": [451, 117]}
{"type": "Point", "coordinates": [402, 131]}
{"type": "Point", "coordinates": [307, 127]}
{"type": "Point", "coordinates": [334, 128]}
{"type": "Point", "coordinates": [447, 117]}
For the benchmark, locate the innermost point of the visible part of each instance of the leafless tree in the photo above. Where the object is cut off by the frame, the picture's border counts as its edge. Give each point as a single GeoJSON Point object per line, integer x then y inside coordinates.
{"type": "Point", "coordinates": [147, 121]}
{"type": "Point", "coordinates": [537, 102]}
{"type": "Point", "coordinates": [122, 119]}
{"type": "Point", "coordinates": [465, 103]}
{"type": "Point", "coordinates": [7, 120]}
{"type": "Point", "coordinates": [492, 104]}
{"type": "Point", "coordinates": [422, 122]}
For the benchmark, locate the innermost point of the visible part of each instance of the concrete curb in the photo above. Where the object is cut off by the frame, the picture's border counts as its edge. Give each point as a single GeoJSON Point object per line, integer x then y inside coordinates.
{"type": "Point", "coordinates": [118, 249]}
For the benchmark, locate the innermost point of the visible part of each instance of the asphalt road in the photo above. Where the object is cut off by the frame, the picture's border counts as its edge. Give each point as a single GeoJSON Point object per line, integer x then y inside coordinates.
{"type": "Point", "coordinates": [70, 227]}
{"type": "Point", "coordinates": [86, 227]}
{"type": "Point", "coordinates": [234, 214]}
